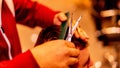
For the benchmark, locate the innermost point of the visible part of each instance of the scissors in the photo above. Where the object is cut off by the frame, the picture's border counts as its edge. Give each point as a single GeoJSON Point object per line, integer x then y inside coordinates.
{"type": "Point", "coordinates": [71, 30]}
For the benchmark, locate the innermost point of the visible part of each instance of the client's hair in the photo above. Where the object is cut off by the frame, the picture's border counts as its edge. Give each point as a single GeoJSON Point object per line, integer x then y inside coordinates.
{"type": "Point", "coordinates": [47, 34]}
{"type": "Point", "coordinates": [52, 33]}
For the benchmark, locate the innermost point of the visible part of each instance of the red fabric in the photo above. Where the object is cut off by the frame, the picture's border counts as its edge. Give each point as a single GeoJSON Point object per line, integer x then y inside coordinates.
{"type": "Point", "coordinates": [33, 14]}
{"type": "Point", "coordinates": [27, 13]}
{"type": "Point", "coordinates": [24, 60]}
{"type": "Point", "coordinates": [9, 26]}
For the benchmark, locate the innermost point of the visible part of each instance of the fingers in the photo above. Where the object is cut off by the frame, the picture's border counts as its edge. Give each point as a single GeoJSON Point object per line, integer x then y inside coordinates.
{"type": "Point", "coordinates": [79, 33]}
{"type": "Point", "coordinates": [62, 17]}
{"type": "Point", "coordinates": [72, 61]}
{"type": "Point", "coordinates": [73, 52]}
{"type": "Point", "coordinates": [69, 44]}
{"type": "Point", "coordinates": [63, 53]}
{"type": "Point", "coordinates": [59, 18]}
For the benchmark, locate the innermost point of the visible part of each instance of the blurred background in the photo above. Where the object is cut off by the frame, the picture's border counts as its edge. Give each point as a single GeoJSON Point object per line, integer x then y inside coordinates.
{"type": "Point", "coordinates": [101, 21]}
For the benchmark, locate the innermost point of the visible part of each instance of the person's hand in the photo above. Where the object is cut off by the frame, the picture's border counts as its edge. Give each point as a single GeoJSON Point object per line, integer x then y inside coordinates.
{"type": "Point", "coordinates": [80, 33]}
{"type": "Point", "coordinates": [55, 54]}
{"type": "Point", "coordinates": [59, 18]}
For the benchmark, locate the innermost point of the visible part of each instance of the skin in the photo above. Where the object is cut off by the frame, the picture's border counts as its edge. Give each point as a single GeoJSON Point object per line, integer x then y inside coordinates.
{"type": "Point", "coordinates": [64, 51]}
{"type": "Point", "coordinates": [61, 53]}
{"type": "Point", "coordinates": [59, 18]}
{"type": "Point", "coordinates": [84, 59]}
{"type": "Point", "coordinates": [79, 43]}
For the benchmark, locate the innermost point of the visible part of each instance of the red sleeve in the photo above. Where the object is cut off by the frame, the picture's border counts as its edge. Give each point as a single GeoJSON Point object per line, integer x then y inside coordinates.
{"type": "Point", "coordinates": [32, 14]}
{"type": "Point", "coordinates": [24, 60]}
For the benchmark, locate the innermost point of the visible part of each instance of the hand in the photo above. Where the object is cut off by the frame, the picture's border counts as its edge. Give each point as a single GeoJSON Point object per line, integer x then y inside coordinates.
{"type": "Point", "coordinates": [59, 18]}
{"type": "Point", "coordinates": [80, 33]}
{"type": "Point", "coordinates": [56, 54]}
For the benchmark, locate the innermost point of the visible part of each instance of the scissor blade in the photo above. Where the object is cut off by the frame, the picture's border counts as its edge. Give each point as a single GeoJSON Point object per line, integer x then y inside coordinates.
{"type": "Point", "coordinates": [69, 36]}
{"type": "Point", "coordinates": [76, 24]}
{"type": "Point", "coordinates": [71, 30]}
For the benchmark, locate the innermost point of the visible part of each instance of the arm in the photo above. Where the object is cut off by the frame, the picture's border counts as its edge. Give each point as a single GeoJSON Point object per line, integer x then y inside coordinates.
{"type": "Point", "coordinates": [62, 55]}
{"type": "Point", "coordinates": [32, 14]}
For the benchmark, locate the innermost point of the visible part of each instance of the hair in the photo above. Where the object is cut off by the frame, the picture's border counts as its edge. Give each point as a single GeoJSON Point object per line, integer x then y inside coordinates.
{"type": "Point", "coordinates": [52, 33]}
{"type": "Point", "coordinates": [47, 34]}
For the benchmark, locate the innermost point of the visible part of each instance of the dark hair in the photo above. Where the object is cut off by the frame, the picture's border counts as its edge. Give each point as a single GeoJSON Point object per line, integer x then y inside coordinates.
{"type": "Point", "coordinates": [53, 32]}
{"type": "Point", "coordinates": [47, 34]}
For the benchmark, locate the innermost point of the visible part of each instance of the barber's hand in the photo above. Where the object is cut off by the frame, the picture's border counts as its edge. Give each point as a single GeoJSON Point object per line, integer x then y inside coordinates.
{"type": "Point", "coordinates": [56, 54]}
{"type": "Point", "coordinates": [80, 33]}
{"type": "Point", "coordinates": [59, 18]}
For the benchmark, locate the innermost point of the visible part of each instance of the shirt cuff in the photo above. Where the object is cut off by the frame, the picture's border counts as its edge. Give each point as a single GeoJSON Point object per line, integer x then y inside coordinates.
{"type": "Point", "coordinates": [24, 60]}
